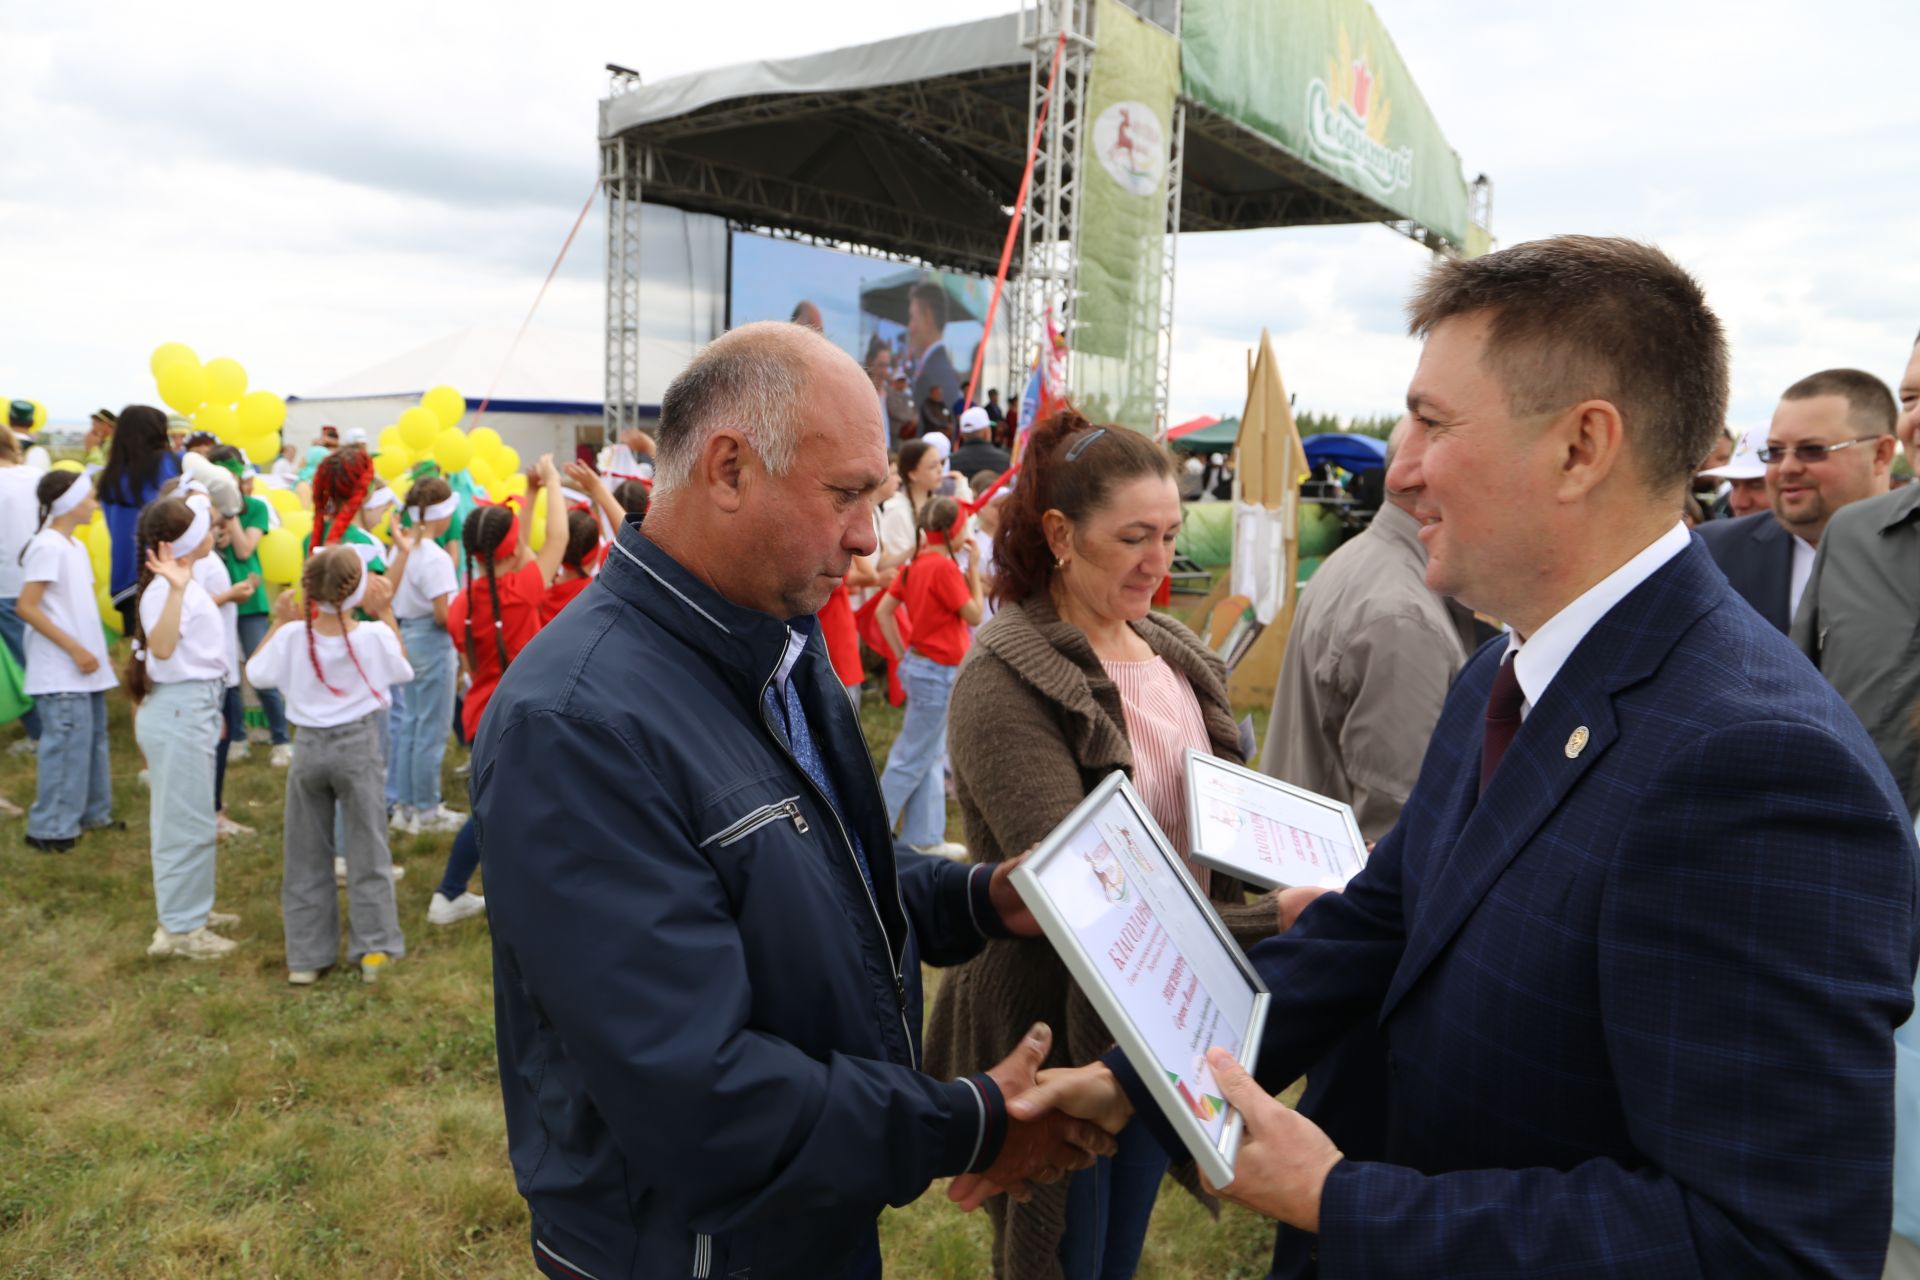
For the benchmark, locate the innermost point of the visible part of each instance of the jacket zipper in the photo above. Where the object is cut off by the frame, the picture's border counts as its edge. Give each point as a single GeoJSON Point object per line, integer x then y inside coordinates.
{"type": "Point", "coordinates": [758, 818]}
{"type": "Point", "coordinates": [893, 963]}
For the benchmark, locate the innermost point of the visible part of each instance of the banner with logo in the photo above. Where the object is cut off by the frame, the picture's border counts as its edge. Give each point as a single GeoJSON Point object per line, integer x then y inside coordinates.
{"type": "Point", "coordinates": [1123, 216]}
{"type": "Point", "coordinates": [1322, 79]}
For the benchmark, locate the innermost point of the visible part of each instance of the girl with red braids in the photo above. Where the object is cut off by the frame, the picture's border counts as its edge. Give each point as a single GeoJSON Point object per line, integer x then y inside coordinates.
{"type": "Point", "coordinates": [340, 486]}
{"type": "Point", "coordinates": [337, 676]}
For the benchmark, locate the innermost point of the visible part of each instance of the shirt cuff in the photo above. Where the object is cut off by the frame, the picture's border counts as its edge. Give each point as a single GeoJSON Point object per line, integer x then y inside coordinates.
{"type": "Point", "coordinates": [980, 908]}
{"type": "Point", "coordinates": [989, 1133]}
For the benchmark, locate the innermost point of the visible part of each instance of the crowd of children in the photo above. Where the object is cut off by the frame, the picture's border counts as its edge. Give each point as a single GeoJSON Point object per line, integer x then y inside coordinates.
{"type": "Point", "coordinates": [383, 649]}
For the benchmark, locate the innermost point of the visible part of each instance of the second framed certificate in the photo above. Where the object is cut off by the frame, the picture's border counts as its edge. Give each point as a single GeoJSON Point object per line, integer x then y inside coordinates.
{"type": "Point", "coordinates": [1153, 957]}
{"type": "Point", "coordinates": [1266, 832]}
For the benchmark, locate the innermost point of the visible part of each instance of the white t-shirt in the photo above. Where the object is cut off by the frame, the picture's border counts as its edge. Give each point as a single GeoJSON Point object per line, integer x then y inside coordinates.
{"type": "Point", "coordinates": [283, 662]}
{"type": "Point", "coordinates": [211, 573]}
{"type": "Point", "coordinates": [981, 549]}
{"type": "Point", "coordinates": [201, 653]}
{"type": "Point", "coordinates": [429, 575]}
{"type": "Point", "coordinates": [897, 532]}
{"type": "Point", "coordinates": [61, 562]}
{"type": "Point", "coordinates": [19, 517]}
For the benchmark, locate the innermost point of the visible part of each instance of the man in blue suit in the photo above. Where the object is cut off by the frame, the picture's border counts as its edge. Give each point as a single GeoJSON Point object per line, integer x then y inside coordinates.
{"type": "Point", "coordinates": [1639, 942]}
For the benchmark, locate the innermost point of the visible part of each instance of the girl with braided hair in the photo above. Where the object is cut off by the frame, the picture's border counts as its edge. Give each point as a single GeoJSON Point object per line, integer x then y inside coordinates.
{"type": "Point", "coordinates": [421, 602]}
{"type": "Point", "coordinates": [341, 483]}
{"type": "Point", "coordinates": [178, 679]}
{"type": "Point", "coordinates": [491, 622]}
{"type": "Point", "coordinates": [337, 675]}
{"type": "Point", "coordinates": [576, 566]}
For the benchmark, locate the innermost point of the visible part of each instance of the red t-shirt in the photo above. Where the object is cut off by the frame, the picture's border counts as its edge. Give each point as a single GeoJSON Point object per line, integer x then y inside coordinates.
{"type": "Point", "coordinates": [934, 590]}
{"type": "Point", "coordinates": [559, 596]}
{"type": "Point", "coordinates": [521, 594]}
{"type": "Point", "coordinates": [842, 635]}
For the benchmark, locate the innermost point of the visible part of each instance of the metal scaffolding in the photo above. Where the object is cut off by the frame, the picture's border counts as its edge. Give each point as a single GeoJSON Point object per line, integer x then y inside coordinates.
{"type": "Point", "coordinates": [1049, 265]}
{"type": "Point", "coordinates": [621, 162]}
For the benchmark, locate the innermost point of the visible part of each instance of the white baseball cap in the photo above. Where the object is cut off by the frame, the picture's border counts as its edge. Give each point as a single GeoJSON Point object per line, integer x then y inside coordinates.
{"type": "Point", "coordinates": [975, 419]}
{"type": "Point", "coordinates": [940, 444]}
{"type": "Point", "coordinates": [1745, 463]}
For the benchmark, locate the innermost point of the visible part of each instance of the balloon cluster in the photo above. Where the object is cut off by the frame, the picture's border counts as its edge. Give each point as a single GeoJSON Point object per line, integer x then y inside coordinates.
{"type": "Point", "coordinates": [215, 396]}
{"type": "Point", "coordinates": [430, 432]}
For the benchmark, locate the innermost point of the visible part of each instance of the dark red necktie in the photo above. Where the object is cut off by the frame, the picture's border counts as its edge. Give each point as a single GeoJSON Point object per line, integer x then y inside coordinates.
{"type": "Point", "coordinates": [1503, 720]}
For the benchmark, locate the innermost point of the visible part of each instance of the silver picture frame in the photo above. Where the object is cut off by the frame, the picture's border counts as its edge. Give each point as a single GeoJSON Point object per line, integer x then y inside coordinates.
{"type": "Point", "coordinates": [1202, 926]}
{"type": "Point", "coordinates": [1244, 868]}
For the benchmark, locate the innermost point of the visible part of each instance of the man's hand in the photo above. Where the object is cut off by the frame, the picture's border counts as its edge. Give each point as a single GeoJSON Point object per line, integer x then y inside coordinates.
{"type": "Point", "coordinates": [1289, 903]}
{"type": "Point", "coordinates": [1088, 1093]}
{"type": "Point", "coordinates": [1015, 917]}
{"type": "Point", "coordinates": [1284, 1157]}
{"type": "Point", "coordinates": [1041, 1149]}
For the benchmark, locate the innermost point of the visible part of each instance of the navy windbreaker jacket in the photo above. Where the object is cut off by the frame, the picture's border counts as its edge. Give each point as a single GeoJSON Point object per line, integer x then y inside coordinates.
{"type": "Point", "coordinates": [708, 1024]}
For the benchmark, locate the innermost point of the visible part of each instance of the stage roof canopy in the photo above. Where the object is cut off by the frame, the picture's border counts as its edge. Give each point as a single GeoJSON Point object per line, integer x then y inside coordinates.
{"type": "Point", "coordinates": [1298, 112]}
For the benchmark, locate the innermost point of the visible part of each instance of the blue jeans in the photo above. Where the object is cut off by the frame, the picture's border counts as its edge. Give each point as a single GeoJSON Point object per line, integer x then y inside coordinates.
{"type": "Point", "coordinates": [13, 634]}
{"type": "Point", "coordinates": [460, 862]}
{"type": "Point", "coordinates": [914, 784]}
{"type": "Point", "coordinates": [420, 733]}
{"type": "Point", "coordinates": [178, 727]}
{"type": "Point", "coordinates": [390, 733]}
{"type": "Point", "coordinates": [75, 786]}
{"type": "Point", "coordinates": [1109, 1206]}
{"type": "Point", "coordinates": [253, 629]}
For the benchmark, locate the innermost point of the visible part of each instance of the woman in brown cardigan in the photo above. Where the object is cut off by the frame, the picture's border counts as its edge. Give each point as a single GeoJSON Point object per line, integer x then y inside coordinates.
{"type": "Point", "coordinates": [1076, 677]}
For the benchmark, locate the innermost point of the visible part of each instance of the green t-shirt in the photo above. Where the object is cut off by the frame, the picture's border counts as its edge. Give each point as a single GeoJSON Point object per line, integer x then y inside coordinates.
{"type": "Point", "coordinates": [254, 516]}
{"type": "Point", "coordinates": [354, 533]}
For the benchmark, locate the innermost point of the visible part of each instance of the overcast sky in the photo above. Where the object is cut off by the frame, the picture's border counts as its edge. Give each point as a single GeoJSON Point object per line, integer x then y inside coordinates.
{"type": "Point", "coordinates": [316, 190]}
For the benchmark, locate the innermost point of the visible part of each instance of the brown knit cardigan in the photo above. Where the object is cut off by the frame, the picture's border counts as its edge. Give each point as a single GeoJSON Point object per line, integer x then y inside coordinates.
{"type": "Point", "coordinates": [1033, 726]}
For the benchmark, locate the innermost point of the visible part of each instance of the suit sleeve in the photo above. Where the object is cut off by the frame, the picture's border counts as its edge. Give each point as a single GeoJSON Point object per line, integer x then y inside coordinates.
{"type": "Point", "coordinates": [620, 934]}
{"type": "Point", "coordinates": [1756, 951]}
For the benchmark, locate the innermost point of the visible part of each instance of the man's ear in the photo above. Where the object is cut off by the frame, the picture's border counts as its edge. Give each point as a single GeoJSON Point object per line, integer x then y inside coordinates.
{"type": "Point", "coordinates": [722, 469]}
{"type": "Point", "coordinates": [1593, 439]}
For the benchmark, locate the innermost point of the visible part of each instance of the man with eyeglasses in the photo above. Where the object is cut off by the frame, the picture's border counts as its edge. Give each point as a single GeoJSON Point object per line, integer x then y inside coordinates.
{"type": "Point", "coordinates": [1830, 445]}
{"type": "Point", "coordinates": [1860, 618]}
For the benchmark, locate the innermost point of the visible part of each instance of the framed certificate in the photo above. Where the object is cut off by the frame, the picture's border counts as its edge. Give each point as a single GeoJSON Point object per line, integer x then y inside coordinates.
{"type": "Point", "coordinates": [1153, 957]}
{"type": "Point", "coordinates": [1267, 832]}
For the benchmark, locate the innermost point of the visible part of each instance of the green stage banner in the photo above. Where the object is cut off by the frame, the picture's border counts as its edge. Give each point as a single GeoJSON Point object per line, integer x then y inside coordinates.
{"type": "Point", "coordinates": [1322, 79]}
{"type": "Point", "coordinates": [1123, 217]}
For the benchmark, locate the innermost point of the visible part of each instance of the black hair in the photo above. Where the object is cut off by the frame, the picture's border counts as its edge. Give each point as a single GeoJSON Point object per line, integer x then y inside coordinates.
{"type": "Point", "coordinates": [51, 486]}
{"type": "Point", "coordinates": [481, 537]}
{"type": "Point", "coordinates": [134, 457]}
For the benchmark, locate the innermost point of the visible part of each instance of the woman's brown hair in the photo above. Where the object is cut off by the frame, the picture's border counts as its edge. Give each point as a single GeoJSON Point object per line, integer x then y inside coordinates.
{"type": "Point", "coordinates": [161, 521]}
{"type": "Point", "coordinates": [1073, 467]}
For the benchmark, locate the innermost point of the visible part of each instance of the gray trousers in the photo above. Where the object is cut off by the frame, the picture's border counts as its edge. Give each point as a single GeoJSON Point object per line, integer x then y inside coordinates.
{"type": "Point", "coordinates": [344, 765]}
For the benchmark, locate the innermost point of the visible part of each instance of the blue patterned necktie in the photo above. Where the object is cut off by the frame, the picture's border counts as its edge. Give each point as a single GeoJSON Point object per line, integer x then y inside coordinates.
{"type": "Point", "coordinates": [800, 741]}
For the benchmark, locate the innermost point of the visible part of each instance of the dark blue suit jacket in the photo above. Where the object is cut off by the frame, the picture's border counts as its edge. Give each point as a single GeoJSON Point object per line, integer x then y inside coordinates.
{"type": "Point", "coordinates": [1639, 999]}
{"type": "Point", "coordinates": [1756, 554]}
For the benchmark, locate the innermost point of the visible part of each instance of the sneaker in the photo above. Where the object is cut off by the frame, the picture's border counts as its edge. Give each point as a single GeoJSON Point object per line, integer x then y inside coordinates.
{"type": "Point", "coordinates": [238, 750]}
{"type": "Point", "coordinates": [50, 846]}
{"type": "Point", "coordinates": [111, 824]}
{"type": "Point", "coordinates": [442, 911]}
{"type": "Point", "coordinates": [945, 849]}
{"type": "Point", "coordinates": [397, 871]}
{"type": "Point", "coordinates": [9, 809]}
{"type": "Point", "coordinates": [199, 944]}
{"type": "Point", "coordinates": [402, 821]}
{"type": "Point", "coordinates": [24, 747]}
{"type": "Point", "coordinates": [462, 769]}
{"type": "Point", "coordinates": [438, 819]}
{"type": "Point", "coordinates": [371, 964]}
{"type": "Point", "coordinates": [281, 756]}
{"type": "Point", "coordinates": [223, 826]}
{"type": "Point", "coordinates": [304, 977]}
{"type": "Point", "coordinates": [222, 920]}
{"type": "Point", "coordinates": [146, 778]}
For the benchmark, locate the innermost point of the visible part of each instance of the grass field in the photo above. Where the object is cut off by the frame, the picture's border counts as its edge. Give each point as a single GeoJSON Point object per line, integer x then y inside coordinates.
{"type": "Point", "coordinates": [162, 1118]}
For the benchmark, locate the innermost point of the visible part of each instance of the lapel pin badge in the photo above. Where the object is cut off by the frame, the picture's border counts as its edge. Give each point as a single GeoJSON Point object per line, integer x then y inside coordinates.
{"type": "Point", "coordinates": [1577, 742]}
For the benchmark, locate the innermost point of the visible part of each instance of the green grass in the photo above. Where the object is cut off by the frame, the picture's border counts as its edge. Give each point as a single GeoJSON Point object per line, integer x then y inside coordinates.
{"type": "Point", "coordinates": [173, 1119]}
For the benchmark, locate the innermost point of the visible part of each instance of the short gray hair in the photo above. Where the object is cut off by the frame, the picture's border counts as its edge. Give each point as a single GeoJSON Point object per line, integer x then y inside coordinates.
{"type": "Point", "coordinates": [751, 379]}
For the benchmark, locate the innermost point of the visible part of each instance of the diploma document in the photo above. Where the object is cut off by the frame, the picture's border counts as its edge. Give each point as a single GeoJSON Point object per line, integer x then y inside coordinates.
{"type": "Point", "coordinates": [1267, 832]}
{"type": "Point", "coordinates": [1153, 957]}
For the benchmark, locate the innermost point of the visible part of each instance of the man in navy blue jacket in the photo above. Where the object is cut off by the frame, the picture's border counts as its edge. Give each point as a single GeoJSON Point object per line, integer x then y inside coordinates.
{"type": "Point", "coordinates": [706, 948]}
{"type": "Point", "coordinates": [1640, 940]}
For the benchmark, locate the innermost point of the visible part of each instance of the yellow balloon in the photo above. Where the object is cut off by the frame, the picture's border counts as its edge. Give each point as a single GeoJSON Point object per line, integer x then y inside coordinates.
{"type": "Point", "coordinates": [445, 404]}
{"type": "Point", "coordinates": [418, 427]}
{"type": "Point", "coordinates": [451, 451]}
{"type": "Point", "coordinates": [262, 413]}
{"type": "Point", "coordinates": [281, 500]}
{"type": "Point", "coordinates": [505, 461]}
{"type": "Point", "coordinates": [171, 353]}
{"type": "Point", "coordinates": [39, 414]}
{"type": "Point", "coordinates": [512, 486]}
{"type": "Point", "coordinates": [99, 551]}
{"type": "Point", "coordinates": [297, 523]}
{"type": "Point", "coordinates": [280, 555]}
{"type": "Point", "coordinates": [220, 419]}
{"type": "Point", "coordinates": [484, 440]}
{"type": "Point", "coordinates": [483, 475]}
{"type": "Point", "coordinates": [391, 464]}
{"type": "Point", "coordinates": [537, 533]}
{"type": "Point", "coordinates": [262, 450]}
{"type": "Point", "coordinates": [388, 440]}
{"type": "Point", "coordinates": [68, 464]}
{"type": "Point", "coordinates": [182, 386]}
{"type": "Point", "coordinates": [226, 380]}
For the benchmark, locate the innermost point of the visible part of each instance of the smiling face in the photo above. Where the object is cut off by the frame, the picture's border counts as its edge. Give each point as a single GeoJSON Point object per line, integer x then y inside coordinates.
{"type": "Point", "coordinates": [1117, 557]}
{"type": "Point", "coordinates": [1909, 427]}
{"type": "Point", "coordinates": [1479, 480]}
{"type": "Point", "coordinates": [1806, 494]}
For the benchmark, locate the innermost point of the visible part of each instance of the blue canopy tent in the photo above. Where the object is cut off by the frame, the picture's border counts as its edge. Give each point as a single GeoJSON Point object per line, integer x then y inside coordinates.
{"type": "Point", "coordinates": [1354, 453]}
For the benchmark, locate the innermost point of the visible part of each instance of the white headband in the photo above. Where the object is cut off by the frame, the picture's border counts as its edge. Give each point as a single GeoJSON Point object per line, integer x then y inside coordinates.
{"type": "Point", "coordinates": [574, 497]}
{"type": "Point", "coordinates": [187, 543]}
{"type": "Point", "coordinates": [353, 597]}
{"type": "Point", "coordinates": [378, 499]}
{"type": "Point", "coordinates": [438, 511]}
{"type": "Point", "coordinates": [76, 493]}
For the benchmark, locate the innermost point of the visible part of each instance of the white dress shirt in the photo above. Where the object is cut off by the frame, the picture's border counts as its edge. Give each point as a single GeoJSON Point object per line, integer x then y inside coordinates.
{"type": "Point", "coordinates": [1803, 553]}
{"type": "Point", "coordinates": [1538, 659]}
